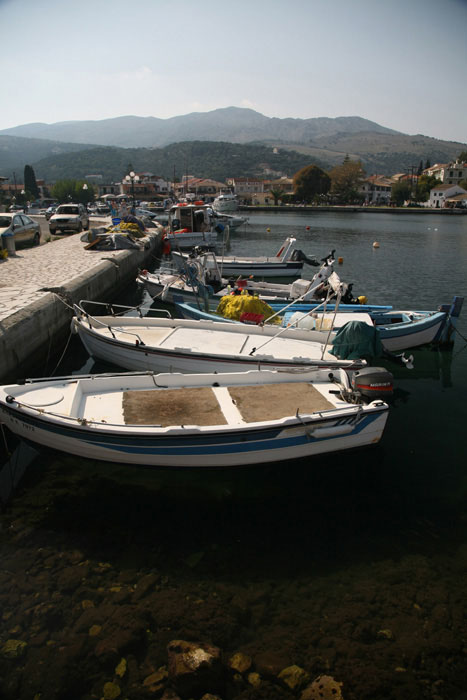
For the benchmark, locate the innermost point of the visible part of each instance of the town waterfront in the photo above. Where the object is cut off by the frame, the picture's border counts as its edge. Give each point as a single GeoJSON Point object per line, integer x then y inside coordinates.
{"type": "Point", "coordinates": [352, 565]}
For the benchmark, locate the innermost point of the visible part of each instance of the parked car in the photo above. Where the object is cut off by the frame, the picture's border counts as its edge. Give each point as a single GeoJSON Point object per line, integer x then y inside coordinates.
{"type": "Point", "coordinates": [69, 217]}
{"type": "Point", "coordinates": [50, 211]}
{"type": "Point", "coordinates": [15, 207]}
{"type": "Point", "coordinates": [23, 228]}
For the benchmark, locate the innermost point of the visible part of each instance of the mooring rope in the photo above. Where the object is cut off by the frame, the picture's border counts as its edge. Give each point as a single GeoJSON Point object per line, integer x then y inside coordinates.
{"type": "Point", "coordinates": [62, 355]}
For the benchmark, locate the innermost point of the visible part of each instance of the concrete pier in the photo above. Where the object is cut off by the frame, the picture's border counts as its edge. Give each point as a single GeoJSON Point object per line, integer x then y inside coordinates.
{"type": "Point", "coordinates": [38, 287]}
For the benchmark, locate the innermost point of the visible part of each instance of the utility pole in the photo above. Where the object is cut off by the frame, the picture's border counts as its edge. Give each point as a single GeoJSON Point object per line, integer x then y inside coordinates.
{"type": "Point", "coordinates": [410, 171]}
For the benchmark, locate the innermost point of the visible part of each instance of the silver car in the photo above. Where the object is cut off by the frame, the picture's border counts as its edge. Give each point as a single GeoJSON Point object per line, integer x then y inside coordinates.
{"type": "Point", "coordinates": [69, 217]}
{"type": "Point", "coordinates": [23, 228]}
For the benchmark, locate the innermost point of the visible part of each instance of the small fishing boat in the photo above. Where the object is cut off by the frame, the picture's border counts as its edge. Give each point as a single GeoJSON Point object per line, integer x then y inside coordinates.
{"type": "Point", "coordinates": [201, 282]}
{"type": "Point", "coordinates": [200, 420]}
{"type": "Point", "coordinates": [397, 329]}
{"type": "Point", "coordinates": [146, 343]}
{"type": "Point", "coordinates": [287, 262]}
{"type": "Point", "coordinates": [233, 221]}
{"type": "Point", "coordinates": [193, 224]}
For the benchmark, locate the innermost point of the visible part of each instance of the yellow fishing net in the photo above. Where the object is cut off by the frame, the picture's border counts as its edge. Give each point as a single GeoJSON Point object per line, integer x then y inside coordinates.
{"type": "Point", "coordinates": [245, 307]}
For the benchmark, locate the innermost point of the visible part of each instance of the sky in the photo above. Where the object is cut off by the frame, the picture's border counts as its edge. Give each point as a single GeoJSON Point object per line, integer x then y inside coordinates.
{"type": "Point", "coordinates": [400, 63]}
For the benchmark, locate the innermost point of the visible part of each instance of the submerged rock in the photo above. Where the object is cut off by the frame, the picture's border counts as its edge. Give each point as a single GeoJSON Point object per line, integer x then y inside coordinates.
{"type": "Point", "coordinates": [13, 648]}
{"type": "Point", "coordinates": [194, 668]}
{"type": "Point", "coordinates": [323, 688]}
{"type": "Point", "coordinates": [240, 662]}
{"type": "Point", "coordinates": [294, 677]}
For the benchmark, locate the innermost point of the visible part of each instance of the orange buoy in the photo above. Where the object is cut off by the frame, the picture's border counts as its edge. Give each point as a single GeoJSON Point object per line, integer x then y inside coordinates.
{"type": "Point", "coordinates": [340, 260]}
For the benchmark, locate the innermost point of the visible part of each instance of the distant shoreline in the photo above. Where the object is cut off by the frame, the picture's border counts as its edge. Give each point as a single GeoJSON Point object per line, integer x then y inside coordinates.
{"type": "Point", "coordinates": [354, 209]}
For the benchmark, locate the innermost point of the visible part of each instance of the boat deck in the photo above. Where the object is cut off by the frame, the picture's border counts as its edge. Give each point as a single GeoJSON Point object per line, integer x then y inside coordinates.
{"type": "Point", "coordinates": [205, 406]}
{"type": "Point", "coordinates": [221, 405]}
{"type": "Point", "coordinates": [218, 342]}
{"type": "Point", "coordinates": [164, 400]}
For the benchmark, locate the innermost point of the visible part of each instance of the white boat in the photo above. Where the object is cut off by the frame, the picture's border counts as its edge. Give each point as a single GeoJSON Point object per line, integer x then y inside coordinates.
{"type": "Point", "coordinates": [287, 262]}
{"type": "Point", "coordinates": [193, 224]}
{"type": "Point", "coordinates": [200, 280]}
{"type": "Point", "coordinates": [225, 202]}
{"type": "Point", "coordinates": [231, 220]}
{"type": "Point", "coordinates": [171, 344]}
{"type": "Point", "coordinates": [207, 420]}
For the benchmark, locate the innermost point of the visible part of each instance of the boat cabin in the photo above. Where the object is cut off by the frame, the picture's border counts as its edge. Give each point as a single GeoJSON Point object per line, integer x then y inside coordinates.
{"type": "Point", "coordinates": [190, 217]}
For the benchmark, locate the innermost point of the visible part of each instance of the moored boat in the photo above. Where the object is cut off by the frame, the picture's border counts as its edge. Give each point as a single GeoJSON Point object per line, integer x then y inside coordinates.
{"type": "Point", "coordinates": [193, 224]}
{"type": "Point", "coordinates": [208, 420]}
{"type": "Point", "coordinates": [200, 281]}
{"type": "Point", "coordinates": [397, 329]}
{"type": "Point", "coordinates": [226, 201]}
{"type": "Point", "coordinates": [172, 344]}
{"type": "Point", "coordinates": [288, 262]}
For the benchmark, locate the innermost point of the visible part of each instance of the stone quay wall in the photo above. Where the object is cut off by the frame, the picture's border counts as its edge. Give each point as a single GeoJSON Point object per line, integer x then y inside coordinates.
{"type": "Point", "coordinates": [38, 287]}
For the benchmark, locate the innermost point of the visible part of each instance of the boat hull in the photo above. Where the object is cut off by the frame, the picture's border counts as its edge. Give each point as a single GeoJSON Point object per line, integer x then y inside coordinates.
{"type": "Point", "coordinates": [244, 268]}
{"type": "Point", "coordinates": [187, 241]}
{"type": "Point", "coordinates": [140, 356]}
{"type": "Point", "coordinates": [394, 337]}
{"type": "Point", "coordinates": [192, 445]}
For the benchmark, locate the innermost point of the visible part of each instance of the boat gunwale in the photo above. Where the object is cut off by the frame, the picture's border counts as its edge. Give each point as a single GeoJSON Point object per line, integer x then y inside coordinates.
{"type": "Point", "coordinates": [37, 417]}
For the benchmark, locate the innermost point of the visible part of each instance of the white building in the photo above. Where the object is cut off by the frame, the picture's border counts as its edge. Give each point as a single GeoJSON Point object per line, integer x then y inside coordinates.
{"type": "Point", "coordinates": [440, 193]}
{"type": "Point", "coordinates": [455, 173]}
{"type": "Point", "coordinates": [448, 173]}
{"type": "Point", "coordinates": [376, 189]}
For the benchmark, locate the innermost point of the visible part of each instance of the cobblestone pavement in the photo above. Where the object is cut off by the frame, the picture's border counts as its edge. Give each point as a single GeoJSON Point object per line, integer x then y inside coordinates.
{"type": "Point", "coordinates": [52, 264]}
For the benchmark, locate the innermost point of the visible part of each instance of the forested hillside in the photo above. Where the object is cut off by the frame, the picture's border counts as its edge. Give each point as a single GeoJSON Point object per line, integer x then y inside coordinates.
{"type": "Point", "coordinates": [199, 158]}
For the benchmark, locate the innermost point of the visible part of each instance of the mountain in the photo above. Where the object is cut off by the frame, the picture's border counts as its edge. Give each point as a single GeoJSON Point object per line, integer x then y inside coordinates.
{"type": "Point", "coordinates": [233, 124]}
{"type": "Point", "coordinates": [217, 144]}
{"type": "Point", "coordinates": [16, 152]}
{"type": "Point", "coordinates": [216, 160]}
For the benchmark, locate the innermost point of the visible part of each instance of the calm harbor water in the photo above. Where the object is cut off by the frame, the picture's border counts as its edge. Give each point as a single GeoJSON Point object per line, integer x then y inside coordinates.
{"type": "Point", "coordinates": [353, 565]}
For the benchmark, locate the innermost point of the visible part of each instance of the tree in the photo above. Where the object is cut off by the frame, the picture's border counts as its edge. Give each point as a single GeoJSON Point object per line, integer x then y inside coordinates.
{"type": "Point", "coordinates": [346, 179]}
{"type": "Point", "coordinates": [427, 164]}
{"type": "Point", "coordinates": [30, 184]}
{"type": "Point", "coordinates": [424, 185]}
{"type": "Point", "coordinates": [72, 191]}
{"type": "Point", "coordinates": [400, 192]}
{"type": "Point", "coordinates": [420, 168]}
{"type": "Point", "coordinates": [462, 157]}
{"type": "Point", "coordinates": [276, 194]}
{"type": "Point", "coordinates": [310, 182]}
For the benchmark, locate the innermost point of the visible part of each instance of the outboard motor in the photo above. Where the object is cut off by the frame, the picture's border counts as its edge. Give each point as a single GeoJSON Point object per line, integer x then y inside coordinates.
{"type": "Point", "coordinates": [373, 383]}
{"type": "Point", "coordinates": [329, 259]}
{"type": "Point", "coordinates": [347, 296]}
{"type": "Point", "coordinates": [300, 255]}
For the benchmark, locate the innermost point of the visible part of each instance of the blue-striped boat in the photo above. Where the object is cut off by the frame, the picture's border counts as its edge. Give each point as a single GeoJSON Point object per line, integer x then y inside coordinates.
{"type": "Point", "coordinates": [200, 420]}
{"type": "Point", "coordinates": [398, 330]}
